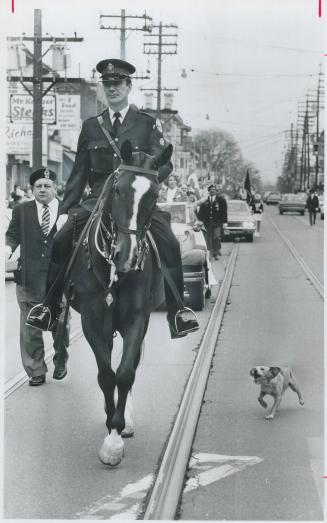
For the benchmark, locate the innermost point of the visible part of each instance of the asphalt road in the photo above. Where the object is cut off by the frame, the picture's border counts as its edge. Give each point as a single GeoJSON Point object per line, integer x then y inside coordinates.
{"type": "Point", "coordinates": [247, 468]}
{"type": "Point", "coordinates": [274, 318]}
{"type": "Point", "coordinates": [53, 432]}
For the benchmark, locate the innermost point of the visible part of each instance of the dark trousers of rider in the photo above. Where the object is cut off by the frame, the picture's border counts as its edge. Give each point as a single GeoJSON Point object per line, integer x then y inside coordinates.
{"type": "Point", "coordinates": [166, 242]}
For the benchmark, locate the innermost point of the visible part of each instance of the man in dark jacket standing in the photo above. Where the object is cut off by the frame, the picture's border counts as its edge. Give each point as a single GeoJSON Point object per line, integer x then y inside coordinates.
{"type": "Point", "coordinates": [95, 160]}
{"type": "Point", "coordinates": [32, 227]}
{"type": "Point", "coordinates": [312, 206]}
{"type": "Point", "coordinates": [213, 214]}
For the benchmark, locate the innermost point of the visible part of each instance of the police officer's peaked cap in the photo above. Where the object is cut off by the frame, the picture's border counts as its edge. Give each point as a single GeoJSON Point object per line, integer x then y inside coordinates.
{"type": "Point", "coordinates": [112, 69]}
{"type": "Point", "coordinates": [211, 185]}
{"type": "Point", "coordinates": [42, 173]}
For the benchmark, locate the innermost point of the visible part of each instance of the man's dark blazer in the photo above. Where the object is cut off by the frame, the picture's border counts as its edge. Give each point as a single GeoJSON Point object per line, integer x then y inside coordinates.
{"type": "Point", "coordinates": [213, 212]}
{"type": "Point", "coordinates": [312, 203]}
{"type": "Point", "coordinates": [35, 250]}
{"type": "Point", "coordinates": [95, 158]}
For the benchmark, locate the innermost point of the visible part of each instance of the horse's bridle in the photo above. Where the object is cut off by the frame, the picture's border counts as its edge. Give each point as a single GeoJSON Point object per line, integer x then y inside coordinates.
{"type": "Point", "coordinates": [111, 235]}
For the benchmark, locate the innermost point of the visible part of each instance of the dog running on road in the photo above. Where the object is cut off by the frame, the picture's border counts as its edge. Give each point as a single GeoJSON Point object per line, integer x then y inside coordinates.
{"type": "Point", "coordinates": [274, 381]}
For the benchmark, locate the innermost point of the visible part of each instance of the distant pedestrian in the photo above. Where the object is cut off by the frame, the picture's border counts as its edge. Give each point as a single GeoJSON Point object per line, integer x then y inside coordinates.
{"type": "Point", "coordinates": [33, 226]}
{"type": "Point", "coordinates": [313, 206]}
{"type": "Point", "coordinates": [257, 209]}
{"type": "Point", "coordinates": [213, 213]}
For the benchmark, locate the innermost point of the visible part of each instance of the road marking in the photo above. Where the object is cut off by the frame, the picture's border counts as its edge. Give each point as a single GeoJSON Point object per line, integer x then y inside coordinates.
{"type": "Point", "coordinates": [316, 446]}
{"type": "Point", "coordinates": [228, 465]}
{"type": "Point", "coordinates": [122, 506]}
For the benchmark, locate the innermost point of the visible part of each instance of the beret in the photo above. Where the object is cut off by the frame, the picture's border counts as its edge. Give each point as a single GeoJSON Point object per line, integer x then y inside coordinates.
{"type": "Point", "coordinates": [42, 173]}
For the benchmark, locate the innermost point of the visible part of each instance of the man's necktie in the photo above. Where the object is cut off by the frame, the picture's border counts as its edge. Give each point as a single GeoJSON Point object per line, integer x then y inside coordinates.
{"type": "Point", "coordinates": [116, 123]}
{"type": "Point", "coordinates": [45, 225]}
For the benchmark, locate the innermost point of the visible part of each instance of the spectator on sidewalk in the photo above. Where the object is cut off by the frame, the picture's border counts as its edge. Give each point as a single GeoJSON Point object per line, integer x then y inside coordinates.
{"type": "Point", "coordinates": [312, 206]}
{"type": "Point", "coordinates": [33, 226]}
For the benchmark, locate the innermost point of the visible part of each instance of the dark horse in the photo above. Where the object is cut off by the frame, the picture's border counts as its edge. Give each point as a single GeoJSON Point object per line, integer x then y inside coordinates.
{"type": "Point", "coordinates": [114, 276]}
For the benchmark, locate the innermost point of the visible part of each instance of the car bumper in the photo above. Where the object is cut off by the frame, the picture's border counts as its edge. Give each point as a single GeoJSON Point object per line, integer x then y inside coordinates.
{"type": "Point", "coordinates": [287, 208]}
{"type": "Point", "coordinates": [238, 231]}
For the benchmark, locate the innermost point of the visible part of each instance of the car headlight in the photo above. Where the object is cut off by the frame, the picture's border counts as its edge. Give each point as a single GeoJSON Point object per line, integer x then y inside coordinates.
{"type": "Point", "coordinates": [225, 225]}
{"type": "Point", "coordinates": [248, 224]}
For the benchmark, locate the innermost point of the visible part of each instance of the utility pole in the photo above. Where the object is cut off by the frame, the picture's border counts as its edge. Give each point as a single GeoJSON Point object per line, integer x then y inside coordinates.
{"type": "Point", "coordinates": [161, 45]}
{"type": "Point", "coordinates": [317, 130]}
{"type": "Point", "coordinates": [37, 80]}
{"type": "Point", "coordinates": [146, 27]}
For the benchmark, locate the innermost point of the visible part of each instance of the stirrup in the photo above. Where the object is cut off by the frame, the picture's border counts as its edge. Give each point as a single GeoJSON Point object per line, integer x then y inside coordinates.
{"type": "Point", "coordinates": [192, 318]}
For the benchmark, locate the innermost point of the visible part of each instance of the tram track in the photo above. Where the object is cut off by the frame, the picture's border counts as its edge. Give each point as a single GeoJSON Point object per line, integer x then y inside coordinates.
{"type": "Point", "coordinates": [162, 502]}
{"type": "Point", "coordinates": [317, 284]}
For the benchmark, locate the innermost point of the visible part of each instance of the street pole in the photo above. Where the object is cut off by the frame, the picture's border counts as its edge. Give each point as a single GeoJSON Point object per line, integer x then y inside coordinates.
{"type": "Point", "coordinates": [123, 35]}
{"type": "Point", "coordinates": [37, 92]}
{"type": "Point", "coordinates": [159, 70]}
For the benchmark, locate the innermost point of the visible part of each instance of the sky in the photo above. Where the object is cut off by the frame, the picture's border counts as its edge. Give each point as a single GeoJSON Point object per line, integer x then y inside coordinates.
{"type": "Point", "coordinates": [248, 63]}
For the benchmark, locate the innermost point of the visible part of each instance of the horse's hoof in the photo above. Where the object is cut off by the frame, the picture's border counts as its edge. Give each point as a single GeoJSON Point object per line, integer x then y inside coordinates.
{"type": "Point", "coordinates": [112, 460]}
{"type": "Point", "coordinates": [112, 451]}
{"type": "Point", "coordinates": [127, 432]}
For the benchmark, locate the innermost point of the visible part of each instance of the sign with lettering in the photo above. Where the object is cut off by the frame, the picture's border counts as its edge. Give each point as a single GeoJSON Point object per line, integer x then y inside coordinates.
{"type": "Point", "coordinates": [68, 112]}
{"type": "Point", "coordinates": [21, 108]}
{"type": "Point", "coordinates": [19, 138]}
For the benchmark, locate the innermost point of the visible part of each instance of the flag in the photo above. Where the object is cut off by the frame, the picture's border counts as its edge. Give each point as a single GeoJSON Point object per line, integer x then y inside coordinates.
{"type": "Point", "coordinates": [247, 187]}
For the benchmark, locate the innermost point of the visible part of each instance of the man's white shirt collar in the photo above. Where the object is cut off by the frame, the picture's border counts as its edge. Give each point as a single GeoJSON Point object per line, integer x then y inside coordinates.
{"type": "Point", "coordinates": [53, 208]}
{"type": "Point", "coordinates": [122, 112]}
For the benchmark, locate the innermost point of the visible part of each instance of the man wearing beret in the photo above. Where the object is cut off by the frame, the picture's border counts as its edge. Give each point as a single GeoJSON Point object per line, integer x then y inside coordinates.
{"type": "Point", "coordinates": [32, 227]}
{"type": "Point", "coordinates": [213, 213]}
{"type": "Point", "coordinates": [96, 158]}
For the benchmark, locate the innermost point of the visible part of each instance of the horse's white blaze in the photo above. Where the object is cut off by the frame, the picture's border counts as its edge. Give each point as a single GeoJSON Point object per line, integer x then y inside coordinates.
{"type": "Point", "coordinates": [140, 185]}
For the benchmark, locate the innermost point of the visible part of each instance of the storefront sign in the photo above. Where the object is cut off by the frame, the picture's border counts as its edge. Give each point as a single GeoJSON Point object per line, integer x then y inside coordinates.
{"type": "Point", "coordinates": [21, 108]}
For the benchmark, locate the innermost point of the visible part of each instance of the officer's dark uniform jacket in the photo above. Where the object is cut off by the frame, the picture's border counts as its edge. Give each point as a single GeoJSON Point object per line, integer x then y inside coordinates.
{"type": "Point", "coordinates": [213, 212]}
{"type": "Point", "coordinates": [95, 157]}
{"type": "Point", "coordinates": [35, 249]}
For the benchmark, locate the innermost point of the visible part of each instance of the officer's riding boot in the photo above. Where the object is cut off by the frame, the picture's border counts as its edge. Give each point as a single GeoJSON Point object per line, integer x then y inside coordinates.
{"type": "Point", "coordinates": [44, 316]}
{"type": "Point", "coordinates": [181, 320]}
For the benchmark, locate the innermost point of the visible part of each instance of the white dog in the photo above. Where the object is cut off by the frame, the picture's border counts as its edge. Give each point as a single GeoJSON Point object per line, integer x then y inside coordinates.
{"type": "Point", "coordinates": [274, 381]}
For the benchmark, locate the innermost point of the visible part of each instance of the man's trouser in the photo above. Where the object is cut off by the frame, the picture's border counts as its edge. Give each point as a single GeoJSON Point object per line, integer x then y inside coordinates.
{"type": "Point", "coordinates": [167, 244]}
{"type": "Point", "coordinates": [312, 217]}
{"type": "Point", "coordinates": [31, 341]}
{"type": "Point", "coordinates": [213, 236]}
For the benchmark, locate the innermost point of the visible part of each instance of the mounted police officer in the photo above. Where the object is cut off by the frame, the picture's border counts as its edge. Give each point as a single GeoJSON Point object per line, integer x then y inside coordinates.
{"type": "Point", "coordinates": [95, 160]}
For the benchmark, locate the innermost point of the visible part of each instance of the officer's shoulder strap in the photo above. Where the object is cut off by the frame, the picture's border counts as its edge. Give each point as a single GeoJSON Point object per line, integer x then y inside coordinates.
{"type": "Point", "coordinates": [107, 135]}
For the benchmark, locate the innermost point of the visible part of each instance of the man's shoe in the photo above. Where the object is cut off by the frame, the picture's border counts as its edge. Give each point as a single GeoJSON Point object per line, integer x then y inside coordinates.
{"type": "Point", "coordinates": [60, 371]}
{"type": "Point", "coordinates": [40, 317]}
{"type": "Point", "coordinates": [180, 327]}
{"type": "Point", "coordinates": [35, 381]}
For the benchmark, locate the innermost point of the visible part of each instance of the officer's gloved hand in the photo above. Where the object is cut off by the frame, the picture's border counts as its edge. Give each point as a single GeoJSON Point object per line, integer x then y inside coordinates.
{"type": "Point", "coordinates": [8, 252]}
{"type": "Point", "coordinates": [61, 221]}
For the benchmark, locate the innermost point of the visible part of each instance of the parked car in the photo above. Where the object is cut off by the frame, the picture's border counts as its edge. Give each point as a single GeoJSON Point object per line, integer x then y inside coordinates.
{"type": "Point", "coordinates": [198, 276]}
{"type": "Point", "coordinates": [292, 203]}
{"type": "Point", "coordinates": [241, 223]}
{"type": "Point", "coordinates": [273, 198]}
{"type": "Point", "coordinates": [321, 207]}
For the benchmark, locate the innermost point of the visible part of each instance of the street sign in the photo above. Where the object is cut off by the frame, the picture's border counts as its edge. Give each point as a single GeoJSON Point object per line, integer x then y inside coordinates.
{"type": "Point", "coordinates": [21, 108]}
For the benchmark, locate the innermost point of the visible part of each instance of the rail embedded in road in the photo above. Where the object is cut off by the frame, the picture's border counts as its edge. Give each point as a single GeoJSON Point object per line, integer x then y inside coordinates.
{"type": "Point", "coordinates": [306, 269]}
{"type": "Point", "coordinates": [164, 498]}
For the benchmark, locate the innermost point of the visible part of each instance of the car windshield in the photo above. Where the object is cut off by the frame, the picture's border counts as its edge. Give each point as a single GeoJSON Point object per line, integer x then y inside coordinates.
{"type": "Point", "coordinates": [237, 206]}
